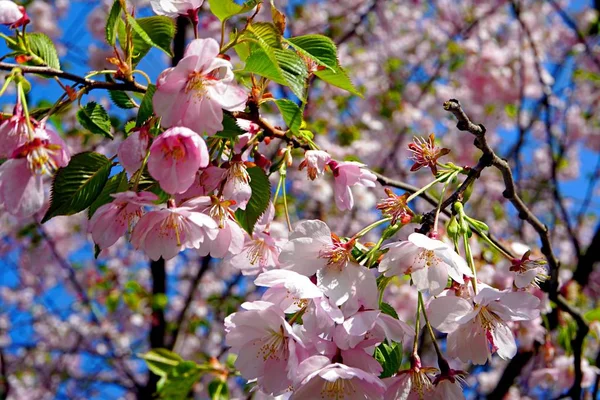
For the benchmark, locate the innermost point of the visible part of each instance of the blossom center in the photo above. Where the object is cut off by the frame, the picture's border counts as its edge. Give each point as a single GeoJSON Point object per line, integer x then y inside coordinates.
{"type": "Point", "coordinates": [338, 389]}
{"type": "Point", "coordinates": [176, 153]}
{"type": "Point", "coordinates": [171, 225]}
{"type": "Point", "coordinates": [273, 347]}
{"type": "Point", "coordinates": [338, 254]}
{"type": "Point", "coordinates": [488, 318]}
{"type": "Point", "coordinates": [257, 252]}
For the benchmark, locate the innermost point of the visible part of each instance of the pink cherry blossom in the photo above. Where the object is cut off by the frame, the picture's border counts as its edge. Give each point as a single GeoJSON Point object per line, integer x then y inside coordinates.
{"type": "Point", "coordinates": [315, 162]}
{"type": "Point", "coordinates": [173, 8]}
{"type": "Point", "coordinates": [318, 377]}
{"type": "Point", "coordinates": [371, 324]}
{"type": "Point", "coordinates": [13, 132]}
{"type": "Point", "coordinates": [195, 92]}
{"type": "Point", "coordinates": [287, 289]}
{"type": "Point", "coordinates": [237, 184]}
{"type": "Point", "coordinates": [348, 174]}
{"type": "Point", "coordinates": [260, 253]}
{"type": "Point", "coordinates": [166, 232]}
{"type": "Point", "coordinates": [312, 249]}
{"type": "Point", "coordinates": [12, 14]}
{"type": "Point", "coordinates": [479, 327]}
{"type": "Point", "coordinates": [230, 237]}
{"type": "Point", "coordinates": [132, 150]}
{"type": "Point", "coordinates": [412, 384]}
{"type": "Point", "coordinates": [22, 176]}
{"type": "Point", "coordinates": [428, 261]}
{"type": "Point", "coordinates": [175, 157]}
{"type": "Point", "coordinates": [528, 271]}
{"type": "Point", "coordinates": [263, 340]}
{"type": "Point", "coordinates": [559, 377]}
{"type": "Point", "coordinates": [112, 220]}
{"type": "Point", "coordinates": [448, 385]}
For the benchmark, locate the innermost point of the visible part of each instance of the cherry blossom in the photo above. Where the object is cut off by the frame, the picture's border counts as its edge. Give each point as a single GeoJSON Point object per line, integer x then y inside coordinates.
{"type": "Point", "coordinates": [112, 220]}
{"type": "Point", "coordinates": [348, 174]}
{"type": "Point", "coordinates": [167, 231]}
{"type": "Point", "coordinates": [318, 377]}
{"type": "Point", "coordinates": [13, 132]}
{"type": "Point", "coordinates": [12, 14]}
{"type": "Point", "coordinates": [133, 150]}
{"type": "Point", "coordinates": [173, 8]}
{"type": "Point", "coordinates": [22, 176]}
{"type": "Point", "coordinates": [263, 340]}
{"type": "Point", "coordinates": [193, 93]}
{"type": "Point", "coordinates": [429, 262]}
{"type": "Point", "coordinates": [315, 162]}
{"type": "Point", "coordinates": [479, 327]}
{"type": "Point", "coordinates": [313, 249]}
{"type": "Point", "coordinates": [175, 157]}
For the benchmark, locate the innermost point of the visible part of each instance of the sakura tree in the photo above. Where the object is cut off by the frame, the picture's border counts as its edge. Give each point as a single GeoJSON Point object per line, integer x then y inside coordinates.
{"type": "Point", "coordinates": [299, 199]}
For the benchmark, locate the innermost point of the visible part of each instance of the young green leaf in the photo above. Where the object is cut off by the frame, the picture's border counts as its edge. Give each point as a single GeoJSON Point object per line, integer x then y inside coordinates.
{"type": "Point", "coordinates": [177, 384]}
{"type": "Point", "coordinates": [389, 310]}
{"type": "Point", "coordinates": [318, 48]}
{"type": "Point", "coordinates": [259, 201]}
{"type": "Point", "coordinates": [390, 358]}
{"type": "Point", "coordinates": [161, 361]}
{"type": "Point", "coordinates": [218, 390]}
{"type": "Point", "coordinates": [116, 184]}
{"type": "Point", "coordinates": [76, 186]}
{"type": "Point", "coordinates": [121, 99]}
{"type": "Point", "coordinates": [146, 108]}
{"type": "Point", "coordinates": [339, 78]}
{"type": "Point", "coordinates": [291, 113]}
{"type": "Point", "coordinates": [95, 119]}
{"type": "Point", "coordinates": [231, 130]}
{"type": "Point", "coordinates": [42, 46]}
{"type": "Point", "coordinates": [111, 22]}
{"type": "Point", "coordinates": [157, 31]}
{"type": "Point", "coordinates": [225, 9]}
{"type": "Point", "coordinates": [279, 65]}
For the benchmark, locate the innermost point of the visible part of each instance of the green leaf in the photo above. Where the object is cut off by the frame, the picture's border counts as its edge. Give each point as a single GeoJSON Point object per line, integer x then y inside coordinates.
{"type": "Point", "coordinates": [121, 99]}
{"type": "Point", "coordinates": [116, 184]}
{"type": "Point", "coordinates": [291, 113]}
{"type": "Point", "coordinates": [266, 34]}
{"type": "Point", "coordinates": [283, 66]}
{"type": "Point", "coordinates": [338, 78]}
{"type": "Point", "coordinates": [389, 310]}
{"type": "Point", "coordinates": [318, 48]}
{"type": "Point", "coordinates": [259, 201]}
{"type": "Point", "coordinates": [231, 130]}
{"type": "Point", "coordinates": [390, 358]}
{"type": "Point", "coordinates": [218, 390]}
{"type": "Point", "coordinates": [76, 186]}
{"type": "Point", "coordinates": [161, 361]}
{"type": "Point", "coordinates": [111, 22]}
{"type": "Point", "coordinates": [225, 9]}
{"type": "Point", "coordinates": [148, 32]}
{"type": "Point", "coordinates": [179, 381]}
{"type": "Point", "coordinates": [95, 119]}
{"type": "Point", "coordinates": [42, 46]}
{"type": "Point", "coordinates": [146, 108]}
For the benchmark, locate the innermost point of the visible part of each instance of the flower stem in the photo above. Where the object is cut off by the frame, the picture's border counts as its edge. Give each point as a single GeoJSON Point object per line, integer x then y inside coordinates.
{"type": "Point", "coordinates": [442, 363]}
{"type": "Point", "coordinates": [375, 224]}
{"type": "Point", "coordinates": [470, 262]}
{"type": "Point", "coordinates": [417, 330]}
{"type": "Point", "coordinates": [426, 187]}
{"type": "Point", "coordinates": [285, 204]}
{"type": "Point", "coordinates": [23, 98]}
{"type": "Point", "coordinates": [439, 206]}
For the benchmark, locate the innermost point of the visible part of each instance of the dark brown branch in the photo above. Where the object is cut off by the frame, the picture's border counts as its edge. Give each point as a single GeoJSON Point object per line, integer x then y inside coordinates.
{"type": "Point", "coordinates": [88, 84]}
{"type": "Point", "coordinates": [204, 267]}
{"type": "Point", "coordinates": [551, 287]}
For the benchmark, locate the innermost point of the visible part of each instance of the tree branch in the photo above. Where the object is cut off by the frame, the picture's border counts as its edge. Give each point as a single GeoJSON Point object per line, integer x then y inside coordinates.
{"type": "Point", "coordinates": [551, 287]}
{"type": "Point", "coordinates": [87, 83]}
